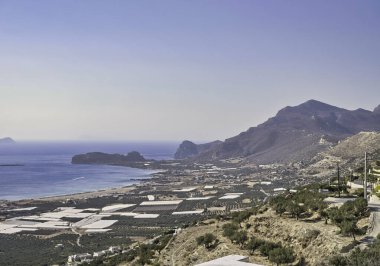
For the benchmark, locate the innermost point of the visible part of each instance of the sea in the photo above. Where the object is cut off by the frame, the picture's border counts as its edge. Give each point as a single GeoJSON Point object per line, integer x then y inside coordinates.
{"type": "Point", "coordinates": [30, 170]}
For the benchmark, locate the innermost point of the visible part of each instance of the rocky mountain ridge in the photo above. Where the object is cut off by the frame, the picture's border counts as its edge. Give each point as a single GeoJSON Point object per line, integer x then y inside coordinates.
{"type": "Point", "coordinates": [295, 134]}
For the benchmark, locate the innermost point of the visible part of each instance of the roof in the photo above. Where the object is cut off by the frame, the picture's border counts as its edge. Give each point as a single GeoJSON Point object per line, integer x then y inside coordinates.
{"type": "Point", "coordinates": [231, 260]}
{"type": "Point", "coordinates": [162, 202]}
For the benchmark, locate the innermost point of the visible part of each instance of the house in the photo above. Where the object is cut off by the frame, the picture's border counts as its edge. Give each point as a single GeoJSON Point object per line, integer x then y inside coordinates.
{"type": "Point", "coordinates": [114, 249]}
{"type": "Point", "coordinates": [85, 257]}
{"type": "Point", "coordinates": [100, 254]}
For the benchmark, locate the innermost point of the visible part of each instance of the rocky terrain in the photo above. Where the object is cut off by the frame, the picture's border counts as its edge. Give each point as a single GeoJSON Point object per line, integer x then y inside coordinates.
{"type": "Point", "coordinates": [294, 134]}
{"type": "Point", "coordinates": [312, 242]}
{"type": "Point", "coordinates": [349, 153]}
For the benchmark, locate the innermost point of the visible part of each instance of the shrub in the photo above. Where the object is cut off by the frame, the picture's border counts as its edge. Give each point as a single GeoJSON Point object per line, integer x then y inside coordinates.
{"type": "Point", "coordinates": [239, 237]}
{"type": "Point", "coordinates": [266, 247]}
{"type": "Point", "coordinates": [281, 255]}
{"type": "Point", "coordinates": [253, 244]}
{"type": "Point", "coordinates": [230, 229]}
{"type": "Point", "coordinates": [208, 240]}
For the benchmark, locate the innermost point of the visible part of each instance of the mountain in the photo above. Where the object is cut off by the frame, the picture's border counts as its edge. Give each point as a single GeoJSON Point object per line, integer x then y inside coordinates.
{"type": "Point", "coordinates": [188, 149]}
{"type": "Point", "coordinates": [295, 134]}
{"type": "Point", "coordinates": [377, 110]}
{"type": "Point", "coordinates": [7, 141]}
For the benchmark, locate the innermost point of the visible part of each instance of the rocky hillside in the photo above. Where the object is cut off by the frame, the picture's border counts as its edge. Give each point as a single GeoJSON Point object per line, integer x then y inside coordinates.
{"type": "Point", "coordinates": [312, 241]}
{"type": "Point", "coordinates": [295, 134]}
{"type": "Point", "coordinates": [348, 152]}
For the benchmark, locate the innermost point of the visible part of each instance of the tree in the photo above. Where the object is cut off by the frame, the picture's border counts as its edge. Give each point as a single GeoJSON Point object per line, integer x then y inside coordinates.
{"type": "Point", "coordinates": [349, 227]}
{"type": "Point", "coordinates": [208, 240]}
{"type": "Point", "coordinates": [295, 209]}
{"type": "Point", "coordinates": [253, 244]}
{"type": "Point", "coordinates": [281, 255]}
{"type": "Point", "coordinates": [239, 237]}
{"type": "Point", "coordinates": [267, 247]}
{"type": "Point", "coordinates": [324, 215]}
{"type": "Point", "coordinates": [230, 229]}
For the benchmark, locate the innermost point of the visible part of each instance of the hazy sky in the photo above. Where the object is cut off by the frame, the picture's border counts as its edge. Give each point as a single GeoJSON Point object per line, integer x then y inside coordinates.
{"type": "Point", "coordinates": [173, 70]}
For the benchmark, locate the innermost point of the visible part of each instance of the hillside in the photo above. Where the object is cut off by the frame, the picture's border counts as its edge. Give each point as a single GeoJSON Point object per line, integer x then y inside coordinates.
{"type": "Point", "coordinates": [295, 134]}
{"type": "Point", "coordinates": [309, 240]}
{"type": "Point", "coordinates": [348, 152]}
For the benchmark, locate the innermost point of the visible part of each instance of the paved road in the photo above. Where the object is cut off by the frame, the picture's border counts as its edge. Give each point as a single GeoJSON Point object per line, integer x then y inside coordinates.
{"type": "Point", "coordinates": [374, 226]}
{"type": "Point", "coordinates": [374, 206]}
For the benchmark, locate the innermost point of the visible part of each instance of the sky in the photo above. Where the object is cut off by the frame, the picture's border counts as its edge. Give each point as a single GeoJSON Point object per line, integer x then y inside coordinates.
{"type": "Point", "coordinates": [173, 70]}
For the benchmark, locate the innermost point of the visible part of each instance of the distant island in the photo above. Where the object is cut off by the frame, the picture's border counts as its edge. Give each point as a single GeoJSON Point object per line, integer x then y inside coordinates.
{"type": "Point", "coordinates": [132, 159]}
{"type": "Point", "coordinates": [7, 141]}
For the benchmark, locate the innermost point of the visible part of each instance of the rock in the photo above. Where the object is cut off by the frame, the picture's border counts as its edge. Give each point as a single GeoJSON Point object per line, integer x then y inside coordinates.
{"type": "Point", "coordinates": [185, 150]}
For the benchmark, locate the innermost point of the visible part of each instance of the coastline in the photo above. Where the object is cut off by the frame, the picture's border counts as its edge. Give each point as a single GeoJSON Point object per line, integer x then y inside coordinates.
{"type": "Point", "coordinates": [87, 194]}
{"type": "Point", "coordinates": [104, 192]}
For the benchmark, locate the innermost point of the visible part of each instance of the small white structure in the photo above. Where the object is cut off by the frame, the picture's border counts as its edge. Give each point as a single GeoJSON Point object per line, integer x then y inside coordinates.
{"type": "Point", "coordinates": [99, 254]}
{"type": "Point", "coordinates": [162, 202]}
{"type": "Point", "coordinates": [188, 212]}
{"type": "Point", "coordinates": [100, 224]}
{"type": "Point", "coordinates": [185, 189]}
{"type": "Point", "coordinates": [146, 216]}
{"type": "Point", "coordinates": [116, 207]}
{"type": "Point", "coordinates": [114, 249]}
{"type": "Point", "coordinates": [231, 260]}
{"type": "Point", "coordinates": [279, 189]}
{"type": "Point", "coordinates": [265, 183]}
{"type": "Point", "coordinates": [230, 197]}
{"type": "Point", "coordinates": [22, 209]}
{"type": "Point", "coordinates": [90, 231]}
{"type": "Point", "coordinates": [200, 198]}
{"type": "Point", "coordinates": [150, 197]}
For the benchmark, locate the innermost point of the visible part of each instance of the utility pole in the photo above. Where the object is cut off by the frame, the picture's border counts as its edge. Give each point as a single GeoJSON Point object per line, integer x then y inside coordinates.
{"type": "Point", "coordinates": [338, 180]}
{"type": "Point", "coordinates": [365, 175]}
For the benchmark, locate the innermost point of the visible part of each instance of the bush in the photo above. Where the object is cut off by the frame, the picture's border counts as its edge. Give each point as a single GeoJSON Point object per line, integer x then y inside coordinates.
{"type": "Point", "coordinates": [208, 240]}
{"type": "Point", "coordinates": [239, 217]}
{"type": "Point", "coordinates": [239, 237]}
{"type": "Point", "coordinates": [230, 229]}
{"type": "Point", "coordinates": [266, 247]}
{"type": "Point", "coordinates": [253, 244]}
{"type": "Point", "coordinates": [337, 261]}
{"type": "Point", "coordinates": [281, 255]}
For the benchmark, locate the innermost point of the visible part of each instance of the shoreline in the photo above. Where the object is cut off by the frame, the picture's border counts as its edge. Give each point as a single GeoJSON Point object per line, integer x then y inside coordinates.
{"type": "Point", "coordinates": [88, 194]}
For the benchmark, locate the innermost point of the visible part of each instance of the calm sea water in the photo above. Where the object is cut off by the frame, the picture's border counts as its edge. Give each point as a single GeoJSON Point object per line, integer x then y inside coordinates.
{"type": "Point", "coordinates": [45, 169]}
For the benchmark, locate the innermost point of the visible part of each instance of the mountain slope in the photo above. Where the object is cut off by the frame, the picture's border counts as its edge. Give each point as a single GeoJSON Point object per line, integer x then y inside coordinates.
{"type": "Point", "coordinates": [294, 134]}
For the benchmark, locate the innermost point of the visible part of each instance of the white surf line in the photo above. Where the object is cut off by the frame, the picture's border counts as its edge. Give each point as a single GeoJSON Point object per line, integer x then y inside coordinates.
{"type": "Point", "coordinates": [82, 177]}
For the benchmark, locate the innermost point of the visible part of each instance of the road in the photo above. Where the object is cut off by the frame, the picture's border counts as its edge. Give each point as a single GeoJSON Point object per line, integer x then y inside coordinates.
{"type": "Point", "coordinates": [374, 207]}
{"type": "Point", "coordinates": [374, 226]}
